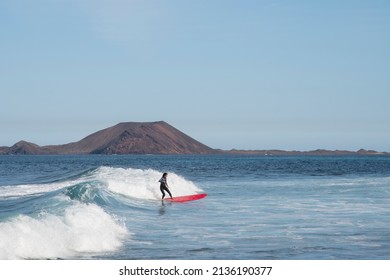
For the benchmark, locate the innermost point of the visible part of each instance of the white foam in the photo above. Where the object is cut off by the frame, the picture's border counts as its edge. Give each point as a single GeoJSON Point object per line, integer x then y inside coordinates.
{"type": "Point", "coordinates": [82, 229]}
{"type": "Point", "coordinates": [143, 184]}
{"type": "Point", "coordinates": [24, 190]}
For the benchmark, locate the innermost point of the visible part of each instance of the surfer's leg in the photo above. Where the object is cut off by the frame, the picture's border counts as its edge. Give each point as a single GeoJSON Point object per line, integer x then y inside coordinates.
{"type": "Point", "coordinates": [168, 191]}
{"type": "Point", "coordinates": [162, 191]}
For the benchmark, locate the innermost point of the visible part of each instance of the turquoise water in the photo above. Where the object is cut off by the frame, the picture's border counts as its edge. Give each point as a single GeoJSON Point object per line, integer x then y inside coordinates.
{"type": "Point", "coordinates": [109, 207]}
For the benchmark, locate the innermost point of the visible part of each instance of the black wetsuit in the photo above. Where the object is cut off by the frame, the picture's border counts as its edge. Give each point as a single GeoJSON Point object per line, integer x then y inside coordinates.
{"type": "Point", "coordinates": [164, 187]}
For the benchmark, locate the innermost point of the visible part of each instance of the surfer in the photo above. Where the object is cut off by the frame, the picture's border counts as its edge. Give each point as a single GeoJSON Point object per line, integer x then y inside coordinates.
{"type": "Point", "coordinates": [164, 185]}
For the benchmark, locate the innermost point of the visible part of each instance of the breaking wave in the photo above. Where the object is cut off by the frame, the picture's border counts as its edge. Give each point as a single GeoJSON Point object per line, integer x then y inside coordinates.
{"type": "Point", "coordinates": [76, 217]}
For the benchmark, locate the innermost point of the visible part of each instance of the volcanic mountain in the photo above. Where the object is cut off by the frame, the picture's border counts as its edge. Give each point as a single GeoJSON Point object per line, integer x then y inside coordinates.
{"type": "Point", "coordinates": [123, 138]}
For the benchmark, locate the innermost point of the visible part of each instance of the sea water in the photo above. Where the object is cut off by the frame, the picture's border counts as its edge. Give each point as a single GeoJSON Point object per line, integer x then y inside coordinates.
{"type": "Point", "coordinates": [258, 207]}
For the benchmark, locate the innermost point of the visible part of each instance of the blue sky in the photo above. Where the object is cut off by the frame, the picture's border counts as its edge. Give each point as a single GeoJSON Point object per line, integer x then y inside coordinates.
{"type": "Point", "coordinates": [245, 74]}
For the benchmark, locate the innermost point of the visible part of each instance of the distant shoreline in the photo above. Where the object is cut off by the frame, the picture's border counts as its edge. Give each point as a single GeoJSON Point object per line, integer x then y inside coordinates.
{"type": "Point", "coordinates": [318, 152]}
{"type": "Point", "coordinates": [234, 152]}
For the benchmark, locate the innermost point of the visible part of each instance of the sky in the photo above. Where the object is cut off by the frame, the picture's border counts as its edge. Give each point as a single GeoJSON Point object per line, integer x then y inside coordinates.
{"type": "Point", "coordinates": [243, 74]}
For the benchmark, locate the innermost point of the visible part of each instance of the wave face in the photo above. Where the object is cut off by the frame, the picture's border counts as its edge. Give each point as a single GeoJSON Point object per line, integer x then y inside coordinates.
{"type": "Point", "coordinates": [77, 217]}
{"type": "Point", "coordinates": [142, 184]}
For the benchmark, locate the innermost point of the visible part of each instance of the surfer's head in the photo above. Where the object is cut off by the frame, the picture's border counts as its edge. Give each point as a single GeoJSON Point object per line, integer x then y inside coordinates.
{"type": "Point", "coordinates": [165, 174]}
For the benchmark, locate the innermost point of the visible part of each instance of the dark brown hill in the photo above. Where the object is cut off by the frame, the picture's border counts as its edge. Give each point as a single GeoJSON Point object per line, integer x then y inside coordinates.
{"type": "Point", "coordinates": [124, 138]}
{"type": "Point", "coordinates": [24, 148]}
{"type": "Point", "coordinates": [138, 138]}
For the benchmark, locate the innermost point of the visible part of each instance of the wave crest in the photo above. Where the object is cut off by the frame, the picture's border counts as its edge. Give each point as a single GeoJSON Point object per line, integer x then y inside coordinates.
{"type": "Point", "coordinates": [82, 229]}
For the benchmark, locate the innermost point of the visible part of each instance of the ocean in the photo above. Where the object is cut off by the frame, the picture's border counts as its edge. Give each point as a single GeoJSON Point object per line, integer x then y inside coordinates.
{"type": "Point", "coordinates": [258, 207]}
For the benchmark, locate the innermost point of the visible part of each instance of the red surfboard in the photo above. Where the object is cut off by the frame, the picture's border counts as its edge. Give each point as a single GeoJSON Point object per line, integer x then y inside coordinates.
{"type": "Point", "coordinates": [187, 197]}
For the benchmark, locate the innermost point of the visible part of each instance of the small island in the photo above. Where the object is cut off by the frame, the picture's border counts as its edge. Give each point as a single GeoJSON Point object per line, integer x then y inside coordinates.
{"type": "Point", "coordinates": [151, 138]}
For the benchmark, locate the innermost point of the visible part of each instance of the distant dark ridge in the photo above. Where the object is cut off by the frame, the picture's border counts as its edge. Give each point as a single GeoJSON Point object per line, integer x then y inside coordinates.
{"type": "Point", "coordinates": [123, 138]}
{"type": "Point", "coordinates": [318, 152]}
